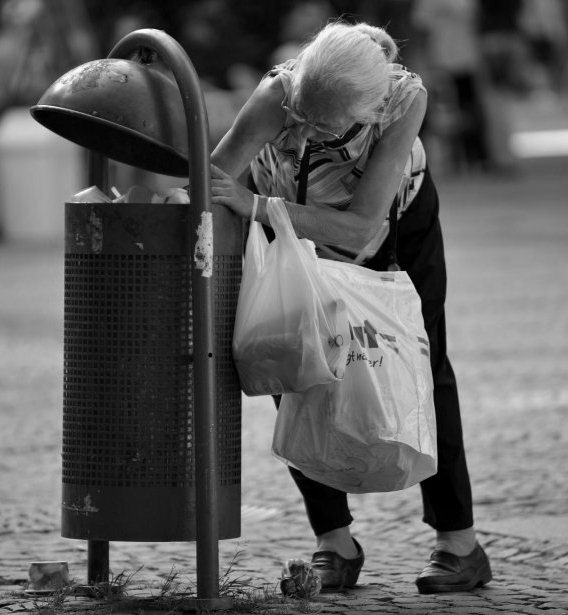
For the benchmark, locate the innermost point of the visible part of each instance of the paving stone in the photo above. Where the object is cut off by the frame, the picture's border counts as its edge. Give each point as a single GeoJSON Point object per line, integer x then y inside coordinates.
{"type": "Point", "coordinates": [529, 610]}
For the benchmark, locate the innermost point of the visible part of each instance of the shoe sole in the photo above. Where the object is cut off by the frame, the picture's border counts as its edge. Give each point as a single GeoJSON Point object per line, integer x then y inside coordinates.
{"type": "Point", "coordinates": [482, 578]}
{"type": "Point", "coordinates": [334, 585]}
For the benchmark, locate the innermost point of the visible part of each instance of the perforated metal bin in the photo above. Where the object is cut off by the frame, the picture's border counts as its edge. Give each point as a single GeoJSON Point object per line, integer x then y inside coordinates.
{"type": "Point", "coordinates": [128, 447]}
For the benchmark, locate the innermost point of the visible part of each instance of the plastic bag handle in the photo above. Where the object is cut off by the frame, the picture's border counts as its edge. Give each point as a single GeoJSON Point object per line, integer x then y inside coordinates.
{"type": "Point", "coordinates": [254, 207]}
{"type": "Point", "coordinates": [280, 220]}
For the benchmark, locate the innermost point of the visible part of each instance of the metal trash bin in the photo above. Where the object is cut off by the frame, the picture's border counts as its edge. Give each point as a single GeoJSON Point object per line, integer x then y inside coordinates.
{"type": "Point", "coordinates": [151, 447]}
{"type": "Point", "coordinates": [128, 439]}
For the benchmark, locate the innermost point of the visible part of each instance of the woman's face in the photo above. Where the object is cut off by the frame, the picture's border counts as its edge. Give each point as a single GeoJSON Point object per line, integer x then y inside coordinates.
{"type": "Point", "coordinates": [318, 119]}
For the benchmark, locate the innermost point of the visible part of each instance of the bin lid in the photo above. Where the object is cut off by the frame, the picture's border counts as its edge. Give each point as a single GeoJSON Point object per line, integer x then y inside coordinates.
{"type": "Point", "coordinates": [128, 111]}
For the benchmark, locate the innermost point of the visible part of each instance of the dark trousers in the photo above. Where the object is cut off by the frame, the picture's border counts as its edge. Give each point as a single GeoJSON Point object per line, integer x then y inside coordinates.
{"type": "Point", "coordinates": [446, 495]}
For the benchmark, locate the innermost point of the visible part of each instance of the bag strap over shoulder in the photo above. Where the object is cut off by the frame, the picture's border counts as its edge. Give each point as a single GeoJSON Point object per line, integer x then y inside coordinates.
{"type": "Point", "coordinates": [393, 237]}
{"type": "Point", "coordinates": [303, 175]}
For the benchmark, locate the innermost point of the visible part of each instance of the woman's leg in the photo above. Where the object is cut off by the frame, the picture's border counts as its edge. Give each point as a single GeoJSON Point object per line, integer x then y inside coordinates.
{"type": "Point", "coordinates": [327, 507]}
{"type": "Point", "coordinates": [328, 511]}
{"type": "Point", "coordinates": [338, 558]}
{"type": "Point", "coordinates": [447, 494]}
{"type": "Point", "coordinates": [457, 563]}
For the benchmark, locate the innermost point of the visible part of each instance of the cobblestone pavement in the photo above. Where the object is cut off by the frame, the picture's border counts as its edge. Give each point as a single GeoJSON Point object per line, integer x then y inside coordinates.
{"type": "Point", "coordinates": [507, 249]}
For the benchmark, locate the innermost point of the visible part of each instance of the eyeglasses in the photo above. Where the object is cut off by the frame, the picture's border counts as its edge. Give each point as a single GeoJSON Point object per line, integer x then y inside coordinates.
{"type": "Point", "coordinates": [302, 120]}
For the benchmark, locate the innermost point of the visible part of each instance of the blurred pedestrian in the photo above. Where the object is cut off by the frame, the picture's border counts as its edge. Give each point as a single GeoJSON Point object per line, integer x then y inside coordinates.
{"type": "Point", "coordinates": [300, 22]}
{"type": "Point", "coordinates": [545, 26]}
{"type": "Point", "coordinates": [216, 36]}
{"type": "Point", "coordinates": [395, 14]}
{"type": "Point", "coordinates": [342, 120]}
{"type": "Point", "coordinates": [507, 75]}
{"type": "Point", "coordinates": [451, 54]}
{"type": "Point", "coordinates": [37, 44]}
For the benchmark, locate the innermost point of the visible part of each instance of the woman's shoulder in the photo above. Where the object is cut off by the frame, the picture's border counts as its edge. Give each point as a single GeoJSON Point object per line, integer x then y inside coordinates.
{"type": "Point", "coordinates": [263, 113]}
{"type": "Point", "coordinates": [277, 81]}
{"type": "Point", "coordinates": [272, 87]}
{"type": "Point", "coordinates": [403, 81]}
{"type": "Point", "coordinates": [404, 87]}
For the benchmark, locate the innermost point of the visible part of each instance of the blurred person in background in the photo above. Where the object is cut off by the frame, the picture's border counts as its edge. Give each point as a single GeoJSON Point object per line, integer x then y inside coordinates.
{"type": "Point", "coordinates": [345, 117]}
{"type": "Point", "coordinates": [213, 37]}
{"type": "Point", "coordinates": [545, 26]}
{"type": "Point", "coordinates": [395, 15]}
{"type": "Point", "coordinates": [300, 22]}
{"type": "Point", "coordinates": [14, 21]}
{"type": "Point", "coordinates": [223, 41]}
{"type": "Point", "coordinates": [40, 41]}
{"type": "Point", "coordinates": [506, 75]}
{"type": "Point", "coordinates": [450, 63]}
{"type": "Point", "coordinates": [139, 15]}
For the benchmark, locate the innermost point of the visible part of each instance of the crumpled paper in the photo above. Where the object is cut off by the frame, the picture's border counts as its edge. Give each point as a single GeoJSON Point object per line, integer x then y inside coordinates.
{"type": "Point", "coordinates": [299, 580]}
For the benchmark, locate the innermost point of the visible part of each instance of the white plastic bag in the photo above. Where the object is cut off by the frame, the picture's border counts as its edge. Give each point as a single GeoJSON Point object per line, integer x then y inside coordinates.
{"type": "Point", "coordinates": [376, 429]}
{"type": "Point", "coordinates": [291, 330]}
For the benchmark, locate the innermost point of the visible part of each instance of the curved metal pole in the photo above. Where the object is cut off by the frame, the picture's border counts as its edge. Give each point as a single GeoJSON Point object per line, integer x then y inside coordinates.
{"type": "Point", "coordinates": [176, 59]}
{"type": "Point", "coordinates": [98, 567]}
{"type": "Point", "coordinates": [205, 417]}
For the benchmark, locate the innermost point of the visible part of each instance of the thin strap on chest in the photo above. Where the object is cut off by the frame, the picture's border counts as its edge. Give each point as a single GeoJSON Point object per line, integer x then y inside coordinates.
{"type": "Point", "coordinates": [303, 176]}
{"type": "Point", "coordinates": [393, 236]}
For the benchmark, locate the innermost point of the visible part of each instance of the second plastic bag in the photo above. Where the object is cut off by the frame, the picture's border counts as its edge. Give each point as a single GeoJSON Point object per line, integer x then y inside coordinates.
{"type": "Point", "coordinates": [376, 429]}
{"type": "Point", "coordinates": [291, 329]}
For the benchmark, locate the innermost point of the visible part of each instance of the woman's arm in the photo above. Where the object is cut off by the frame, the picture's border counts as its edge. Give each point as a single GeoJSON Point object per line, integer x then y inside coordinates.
{"type": "Point", "coordinates": [258, 122]}
{"type": "Point", "coordinates": [354, 227]}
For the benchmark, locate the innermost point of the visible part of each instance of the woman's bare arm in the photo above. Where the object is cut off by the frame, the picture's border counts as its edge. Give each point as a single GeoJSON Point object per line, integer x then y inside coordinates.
{"type": "Point", "coordinates": [258, 122]}
{"type": "Point", "coordinates": [354, 227]}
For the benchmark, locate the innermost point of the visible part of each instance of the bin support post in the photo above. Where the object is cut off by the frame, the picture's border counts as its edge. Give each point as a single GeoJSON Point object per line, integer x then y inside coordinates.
{"type": "Point", "coordinates": [206, 473]}
{"type": "Point", "coordinates": [97, 550]}
{"type": "Point", "coordinates": [97, 170]}
{"type": "Point", "coordinates": [97, 561]}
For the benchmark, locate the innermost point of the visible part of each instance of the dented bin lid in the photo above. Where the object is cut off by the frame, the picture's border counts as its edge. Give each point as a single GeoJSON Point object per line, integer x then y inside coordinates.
{"type": "Point", "coordinates": [127, 110]}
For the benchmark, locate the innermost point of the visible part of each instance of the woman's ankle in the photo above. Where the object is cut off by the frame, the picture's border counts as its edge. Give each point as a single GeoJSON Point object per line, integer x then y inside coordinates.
{"type": "Point", "coordinates": [338, 541]}
{"type": "Point", "coordinates": [458, 542]}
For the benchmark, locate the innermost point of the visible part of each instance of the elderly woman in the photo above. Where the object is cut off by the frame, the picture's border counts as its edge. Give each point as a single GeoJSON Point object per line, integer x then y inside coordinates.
{"type": "Point", "coordinates": [334, 133]}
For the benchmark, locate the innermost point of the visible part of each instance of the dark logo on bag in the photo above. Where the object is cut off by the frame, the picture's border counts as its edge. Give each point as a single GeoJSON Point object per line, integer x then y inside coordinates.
{"type": "Point", "coordinates": [368, 336]}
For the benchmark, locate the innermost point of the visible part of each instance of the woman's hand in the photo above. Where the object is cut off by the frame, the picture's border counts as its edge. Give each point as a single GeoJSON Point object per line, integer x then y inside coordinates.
{"type": "Point", "coordinates": [228, 191]}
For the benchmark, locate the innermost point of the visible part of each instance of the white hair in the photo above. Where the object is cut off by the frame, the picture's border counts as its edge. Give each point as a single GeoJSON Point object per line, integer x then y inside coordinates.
{"type": "Point", "coordinates": [347, 66]}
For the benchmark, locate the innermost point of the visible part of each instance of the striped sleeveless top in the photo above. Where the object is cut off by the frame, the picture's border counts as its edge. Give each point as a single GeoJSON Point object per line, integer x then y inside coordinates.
{"type": "Point", "coordinates": [336, 166]}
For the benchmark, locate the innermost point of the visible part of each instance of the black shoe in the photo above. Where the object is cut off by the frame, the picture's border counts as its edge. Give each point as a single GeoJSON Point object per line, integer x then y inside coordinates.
{"type": "Point", "coordinates": [337, 572]}
{"type": "Point", "coordinates": [446, 572]}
